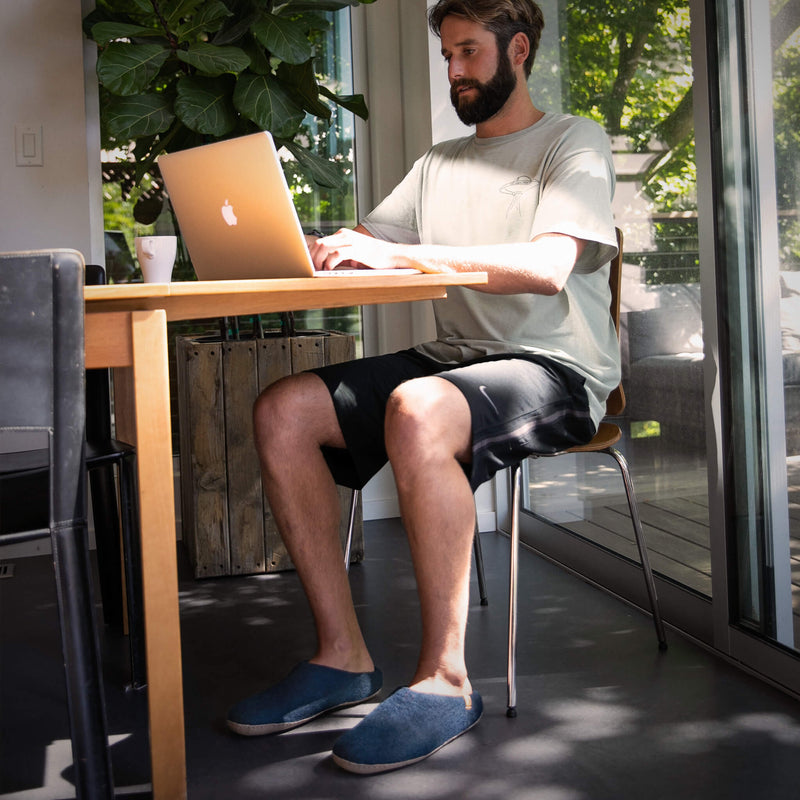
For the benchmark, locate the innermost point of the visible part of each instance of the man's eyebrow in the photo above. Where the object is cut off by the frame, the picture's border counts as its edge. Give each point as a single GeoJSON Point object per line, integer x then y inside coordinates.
{"type": "Point", "coordinates": [462, 43]}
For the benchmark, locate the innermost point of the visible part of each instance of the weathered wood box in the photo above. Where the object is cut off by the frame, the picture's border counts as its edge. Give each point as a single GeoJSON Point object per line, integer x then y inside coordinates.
{"type": "Point", "coordinates": [228, 528]}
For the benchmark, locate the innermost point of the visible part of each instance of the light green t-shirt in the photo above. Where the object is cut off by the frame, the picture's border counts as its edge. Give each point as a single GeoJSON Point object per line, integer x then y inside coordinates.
{"type": "Point", "coordinates": [554, 177]}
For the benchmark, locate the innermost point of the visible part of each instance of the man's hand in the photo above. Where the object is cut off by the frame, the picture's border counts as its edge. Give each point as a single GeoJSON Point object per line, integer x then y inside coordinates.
{"type": "Point", "coordinates": [351, 248]}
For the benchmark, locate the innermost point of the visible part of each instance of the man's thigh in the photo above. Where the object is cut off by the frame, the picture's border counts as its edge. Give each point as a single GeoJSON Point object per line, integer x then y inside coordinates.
{"type": "Point", "coordinates": [519, 407]}
{"type": "Point", "coordinates": [360, 390]}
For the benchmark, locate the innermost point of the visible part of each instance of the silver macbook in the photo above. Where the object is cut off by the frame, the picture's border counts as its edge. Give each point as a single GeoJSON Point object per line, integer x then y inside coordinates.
{"type": "Point", "coordinates": [236, 214]}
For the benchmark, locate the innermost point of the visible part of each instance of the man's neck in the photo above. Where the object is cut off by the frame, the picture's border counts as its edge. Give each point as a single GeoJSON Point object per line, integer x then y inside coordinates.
{"type": "Point", "coordinates": [517, 114]}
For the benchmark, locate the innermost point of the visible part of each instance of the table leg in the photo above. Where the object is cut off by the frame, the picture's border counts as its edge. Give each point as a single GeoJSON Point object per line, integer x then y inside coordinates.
{"type": "Point", "coordinates": [149, 390]}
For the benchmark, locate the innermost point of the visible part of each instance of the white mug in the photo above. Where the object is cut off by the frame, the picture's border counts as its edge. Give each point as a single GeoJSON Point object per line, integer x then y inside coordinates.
{"type": "Point", "coordinates": [156, 256]}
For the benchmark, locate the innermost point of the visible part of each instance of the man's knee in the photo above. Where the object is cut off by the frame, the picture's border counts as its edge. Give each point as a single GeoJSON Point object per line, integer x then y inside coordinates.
{"type": "Point", "coordinates": [297, 407]}
{"type": "Point", "coordinates": [429, 412]}
{"type": "Point", "coordinates": [279, 407]}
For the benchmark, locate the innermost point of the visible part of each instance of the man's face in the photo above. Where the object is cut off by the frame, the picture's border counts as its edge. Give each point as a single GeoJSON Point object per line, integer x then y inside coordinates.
{"type": "Point", "coordinates": [481, 78]}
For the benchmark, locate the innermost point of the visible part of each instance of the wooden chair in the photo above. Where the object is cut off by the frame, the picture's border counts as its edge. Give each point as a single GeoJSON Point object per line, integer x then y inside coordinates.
{"type": "Point", "coordinates": [608, 434]}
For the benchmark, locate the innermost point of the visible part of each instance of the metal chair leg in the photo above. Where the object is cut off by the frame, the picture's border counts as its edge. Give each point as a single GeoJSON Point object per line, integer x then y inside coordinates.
{"type": "Point", "coordinates": [511, 711]}
{"type": "Point", "coordinates": [639, 534]}
{"type": "Point", "coordinates": [350, 526]}
{"type": "Point", "coordinates": [476, 546]}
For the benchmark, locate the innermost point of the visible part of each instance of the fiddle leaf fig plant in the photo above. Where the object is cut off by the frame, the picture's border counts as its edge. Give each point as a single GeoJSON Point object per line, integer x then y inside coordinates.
{"type": "Point", "coordinates": [175, 74]}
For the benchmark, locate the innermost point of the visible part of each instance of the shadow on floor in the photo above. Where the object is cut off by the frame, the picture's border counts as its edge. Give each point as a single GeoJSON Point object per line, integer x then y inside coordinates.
{"type": "Point", "coordinates": [602, 714]}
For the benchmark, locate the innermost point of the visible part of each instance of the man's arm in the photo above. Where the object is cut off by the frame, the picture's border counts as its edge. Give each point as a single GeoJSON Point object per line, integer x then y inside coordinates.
{"type": "Point", "coordinates": [541, 266]}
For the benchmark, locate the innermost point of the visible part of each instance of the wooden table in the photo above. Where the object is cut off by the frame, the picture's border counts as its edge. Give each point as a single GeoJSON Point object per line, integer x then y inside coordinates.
{"type": "Point", "coordinates": [126, 328]}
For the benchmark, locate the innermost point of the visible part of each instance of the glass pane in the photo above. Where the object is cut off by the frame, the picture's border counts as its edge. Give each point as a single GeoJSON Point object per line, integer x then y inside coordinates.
{"type": "Point", "coordinates": [628, 66]}
{"type": "Point", "coordinates": [756, 268]}
{"type": "Point", "coordinates": [785, 30]}
{"type": "Point", "coordinates": [786, 78]}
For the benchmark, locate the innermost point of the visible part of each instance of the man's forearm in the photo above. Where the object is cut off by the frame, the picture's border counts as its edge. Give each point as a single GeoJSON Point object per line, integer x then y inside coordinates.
{"type": "Point", "coordinates": [541, 266]}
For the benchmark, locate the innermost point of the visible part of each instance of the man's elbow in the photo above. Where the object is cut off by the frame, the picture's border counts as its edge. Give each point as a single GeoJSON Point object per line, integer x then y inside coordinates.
{"type": "Point", "coordinates": [550, 289]}
{"type": "Point", "coordinates": [553, 283]}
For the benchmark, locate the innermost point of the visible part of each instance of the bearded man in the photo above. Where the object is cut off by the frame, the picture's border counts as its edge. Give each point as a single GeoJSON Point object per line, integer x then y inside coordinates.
{"type": "Point", "coordinates": [521, 364]}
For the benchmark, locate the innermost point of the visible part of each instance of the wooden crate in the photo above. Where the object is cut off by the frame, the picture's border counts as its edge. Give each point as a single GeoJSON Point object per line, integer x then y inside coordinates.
{"type": "Point", "coordinates": [228, 527]}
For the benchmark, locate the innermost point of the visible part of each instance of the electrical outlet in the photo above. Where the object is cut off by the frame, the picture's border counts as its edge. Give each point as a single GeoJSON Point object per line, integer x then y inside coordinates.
{"type": "Point", "coordinates": [28, 145]}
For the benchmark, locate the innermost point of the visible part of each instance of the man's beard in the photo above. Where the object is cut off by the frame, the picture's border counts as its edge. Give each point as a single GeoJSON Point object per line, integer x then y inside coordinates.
{"type": "Point", "coordinates": [491, 96]}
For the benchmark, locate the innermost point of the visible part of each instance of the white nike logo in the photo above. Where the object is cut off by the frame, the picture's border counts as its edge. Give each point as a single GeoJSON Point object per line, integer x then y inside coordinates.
{"type": "Point", "coordinates": [483, 390]}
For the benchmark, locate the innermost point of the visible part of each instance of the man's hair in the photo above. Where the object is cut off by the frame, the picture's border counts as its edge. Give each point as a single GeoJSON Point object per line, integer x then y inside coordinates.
{"type": "Point", "coordinates": [504, 18]}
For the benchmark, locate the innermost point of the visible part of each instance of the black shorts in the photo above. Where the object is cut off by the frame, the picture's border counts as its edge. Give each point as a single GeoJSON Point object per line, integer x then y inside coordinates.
{"type": "Point", "coordinates": [519, 405]}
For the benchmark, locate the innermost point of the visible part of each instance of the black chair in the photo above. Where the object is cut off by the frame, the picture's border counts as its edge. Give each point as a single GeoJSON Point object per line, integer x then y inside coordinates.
{"type": "Point", "coordinates": [26, 476]}
{"type": "Point", "coordinates": [103, 453]}
{"type": "Point", "coordinates": [42, 396]}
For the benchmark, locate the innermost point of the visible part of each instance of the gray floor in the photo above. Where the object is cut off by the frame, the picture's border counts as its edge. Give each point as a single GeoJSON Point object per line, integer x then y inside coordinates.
{"type": "Point", "coordinates": [602, 714]}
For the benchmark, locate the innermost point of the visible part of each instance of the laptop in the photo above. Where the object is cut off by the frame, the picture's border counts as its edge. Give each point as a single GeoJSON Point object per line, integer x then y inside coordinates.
{"type": "Point", "coordinates": [236, 214]}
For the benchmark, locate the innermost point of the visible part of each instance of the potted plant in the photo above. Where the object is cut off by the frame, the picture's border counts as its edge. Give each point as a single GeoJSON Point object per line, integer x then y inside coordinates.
{"type": "Point", "coordinates": [175, 74]}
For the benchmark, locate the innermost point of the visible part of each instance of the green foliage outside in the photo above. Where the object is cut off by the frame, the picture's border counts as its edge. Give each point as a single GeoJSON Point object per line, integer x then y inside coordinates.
{"type": "Point", "coordinates": [649, 429]}
{"type": "Point", "coordinates": [786, 69]}
{"type": "Point", "coordinates": [629, 68]}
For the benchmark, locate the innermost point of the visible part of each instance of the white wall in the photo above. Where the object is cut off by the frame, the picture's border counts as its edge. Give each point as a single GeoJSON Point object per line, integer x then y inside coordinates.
{"type": "Point", "coordinates": [42, 63]}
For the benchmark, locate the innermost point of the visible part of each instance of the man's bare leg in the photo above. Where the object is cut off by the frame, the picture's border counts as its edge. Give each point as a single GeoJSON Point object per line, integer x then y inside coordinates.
{"type": "Point", "coordinates": [428, 434]}
{"type": "Point", "coordinates": [293, 418]}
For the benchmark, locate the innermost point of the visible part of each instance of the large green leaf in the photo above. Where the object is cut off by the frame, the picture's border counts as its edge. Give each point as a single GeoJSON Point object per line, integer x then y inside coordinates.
{"type": "Point", "coordinates": [284, 38]}
{"type": "Point", "coordinates": [321, 170]}
{"type": "Point", "coordinates": [293, 6]}
{"type": "Point", "coordinates": [145, 6]}
{"type": "Point", "coordinates": [204, 105]}
{"type": "Point", "coordinates": [352, 102]}
{"type": "Point", "coordinates": [141, 115]}
{"type": "Point", "coordinates": [259, 59]}
{"type": "Point", "coordinates": [235, 31]}
{"type": "Point", "coordinates": [128, 69]}
{"type": "Point", "coordinates": [208, 19]}
{"type": "Point", "coordinates": [212, 60]}
{"type": "Point", "coordinates": [175, 11]}
{"type": "Point", "coordinates": [105, 32]}
{"type": "Point", "coordinates": [301, 81]}
{"type": "Point", "coordinates": [262, 99]}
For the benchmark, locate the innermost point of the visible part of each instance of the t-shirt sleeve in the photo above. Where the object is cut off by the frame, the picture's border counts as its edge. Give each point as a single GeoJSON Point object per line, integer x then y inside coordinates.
{"type": "Point", "coordinates": [576, 195]}
{"type": "Point", "coordinates": [395, 219]}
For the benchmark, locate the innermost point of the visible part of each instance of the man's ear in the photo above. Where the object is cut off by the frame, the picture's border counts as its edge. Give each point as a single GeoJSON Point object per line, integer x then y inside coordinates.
{"type": "Point", "coordinates": [518, 48]}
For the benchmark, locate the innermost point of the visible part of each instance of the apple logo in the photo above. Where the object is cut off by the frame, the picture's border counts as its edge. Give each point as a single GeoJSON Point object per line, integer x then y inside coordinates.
{"type": "Point", "coordinates": [228, 214]}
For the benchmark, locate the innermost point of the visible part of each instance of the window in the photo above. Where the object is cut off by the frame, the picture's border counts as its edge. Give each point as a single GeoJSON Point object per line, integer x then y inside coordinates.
{"type": "Point", "coordinates": [629, 67]}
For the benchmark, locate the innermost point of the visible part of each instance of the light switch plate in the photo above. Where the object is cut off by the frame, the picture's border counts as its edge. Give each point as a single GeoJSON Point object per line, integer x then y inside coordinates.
{"type": "Point", "coordinates": [28, 145]}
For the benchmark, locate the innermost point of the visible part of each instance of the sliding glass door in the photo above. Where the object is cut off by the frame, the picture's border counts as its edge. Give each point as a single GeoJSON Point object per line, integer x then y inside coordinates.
{"type": "Point", "coordinates": [629, 67]}
{"type": "Point", "coordinates": [758, 266]}
{"type": "Point", "coordinates": [701, 101]}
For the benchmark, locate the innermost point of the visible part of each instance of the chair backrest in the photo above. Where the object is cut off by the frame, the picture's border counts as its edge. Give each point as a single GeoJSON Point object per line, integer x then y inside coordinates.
{"type": "Point", "coordinates": [41, 364]}
{"type": "Point", "coordinates": [615, 404]}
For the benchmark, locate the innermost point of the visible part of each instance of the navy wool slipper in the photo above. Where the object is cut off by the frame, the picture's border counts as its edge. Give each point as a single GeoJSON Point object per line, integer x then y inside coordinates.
{"type": "Point", "coordinates": [405, 728]}
{"type": "Point", "coordinates": [307, 692]}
